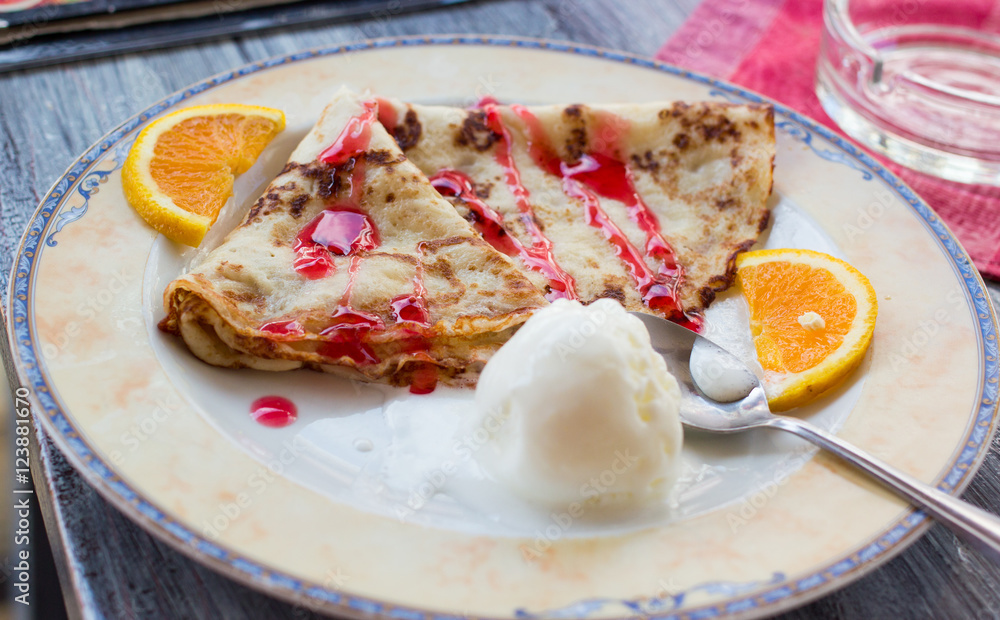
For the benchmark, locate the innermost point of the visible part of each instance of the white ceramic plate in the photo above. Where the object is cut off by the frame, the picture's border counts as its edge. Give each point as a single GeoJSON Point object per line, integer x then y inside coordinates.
{"type": "Point", "coordinates": [404, 529]}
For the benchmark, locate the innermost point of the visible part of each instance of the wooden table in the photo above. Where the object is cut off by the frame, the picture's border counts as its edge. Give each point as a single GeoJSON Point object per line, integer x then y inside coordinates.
{"type": "Point", "coordinates": [108, 566]}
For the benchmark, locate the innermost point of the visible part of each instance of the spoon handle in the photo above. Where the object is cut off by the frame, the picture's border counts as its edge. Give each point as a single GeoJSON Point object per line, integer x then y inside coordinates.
{"type": "Point", "coordinates": [976, 526]}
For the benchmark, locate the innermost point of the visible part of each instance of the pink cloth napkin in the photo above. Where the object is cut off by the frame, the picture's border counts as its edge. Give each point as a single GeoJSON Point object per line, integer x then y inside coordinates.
{"type": "Point", "coordinates": [771, 46]}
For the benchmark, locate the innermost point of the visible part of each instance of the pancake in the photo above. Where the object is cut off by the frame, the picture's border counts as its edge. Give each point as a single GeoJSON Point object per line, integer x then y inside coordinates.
{"type": "Point", "coordinates": [648, 203]}
{"type": "Point", "coordinates": [406, 243]}
{"type": "Point", "coordinates": [352, 263]}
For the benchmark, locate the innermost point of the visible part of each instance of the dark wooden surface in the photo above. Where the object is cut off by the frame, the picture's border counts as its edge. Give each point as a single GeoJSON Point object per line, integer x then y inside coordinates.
{"type": "Point", "coordinates": [110, 568]}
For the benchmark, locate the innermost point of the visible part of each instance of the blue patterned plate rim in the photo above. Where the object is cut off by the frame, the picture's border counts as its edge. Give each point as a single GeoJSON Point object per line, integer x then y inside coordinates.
{"type": "Point", "coordinates": [747, 600]}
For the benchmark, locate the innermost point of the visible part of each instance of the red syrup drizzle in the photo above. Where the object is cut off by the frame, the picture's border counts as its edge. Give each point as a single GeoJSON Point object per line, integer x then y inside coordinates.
{"type": "Point", "coordinates": [387, 114]}
{"type": "Point", "coordinates": [486, 221]}
{"type": "Point", "coordinates": [341, 229]}
{"type": "Point", "coordinates": [411, 310]}
{"type": "Point", "coordinates": [273, 411]}
{"type": "Point", "coordinates": [411, 314]}
{"type": "Point", "coordinates": [312, 261]}
{"type": "Point", "coordinates": [292, 329]}
{"type": "Point", "coordinates": [561, 284]}
{"type": "Point", "coordinates": [345, 230]}
{"type": "Point", "coordinates": [354, 139]}
{"type": "Point", "coordinates": [344, 336]}
{"type": "Point", "coordinates": [602, 174]}
{"type": "Point", "coordinates": [424, 378]}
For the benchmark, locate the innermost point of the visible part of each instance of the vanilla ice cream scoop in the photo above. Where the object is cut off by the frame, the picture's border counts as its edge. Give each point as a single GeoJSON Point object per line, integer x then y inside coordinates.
{"type": "Point", "coordinates": [580, 408]}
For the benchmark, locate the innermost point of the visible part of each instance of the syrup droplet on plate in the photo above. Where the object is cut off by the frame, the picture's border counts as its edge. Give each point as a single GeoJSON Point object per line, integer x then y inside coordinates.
{"type": "Point", "coordinates": [274, 411]}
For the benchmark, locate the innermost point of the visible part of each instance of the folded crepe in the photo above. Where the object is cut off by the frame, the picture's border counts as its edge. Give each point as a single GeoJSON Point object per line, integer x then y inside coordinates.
{"type": "Point", "coordinates": [353, 262]}
{"type": "Point", "coordinates": [646, 203]}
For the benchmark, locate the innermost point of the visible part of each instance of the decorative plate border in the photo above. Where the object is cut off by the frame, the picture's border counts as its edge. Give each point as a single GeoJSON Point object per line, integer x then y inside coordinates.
{"type": "Point", "coordinates": [774, 595]}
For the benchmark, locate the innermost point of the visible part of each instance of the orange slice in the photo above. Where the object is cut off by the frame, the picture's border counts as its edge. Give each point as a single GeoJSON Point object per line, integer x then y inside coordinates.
{"type": "Point", "coordinates": [811, 317]}
{"type": "Point", "coordinates": [179, 172]}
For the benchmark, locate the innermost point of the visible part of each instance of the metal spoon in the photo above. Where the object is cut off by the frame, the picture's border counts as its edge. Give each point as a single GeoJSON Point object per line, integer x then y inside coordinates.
{"type": "Point", "coordinates": [686, 351]}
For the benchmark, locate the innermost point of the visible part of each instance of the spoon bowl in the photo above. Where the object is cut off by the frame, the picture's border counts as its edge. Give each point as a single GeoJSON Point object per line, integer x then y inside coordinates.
{"type": "Point", "coordinates": [679, 346]}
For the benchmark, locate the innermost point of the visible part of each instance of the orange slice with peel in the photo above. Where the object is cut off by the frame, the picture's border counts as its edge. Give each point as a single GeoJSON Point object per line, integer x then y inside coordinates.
{"type": "Point", "coordinates": [811, 317]}
{"type": "Point", "coordinates": [179, 173]}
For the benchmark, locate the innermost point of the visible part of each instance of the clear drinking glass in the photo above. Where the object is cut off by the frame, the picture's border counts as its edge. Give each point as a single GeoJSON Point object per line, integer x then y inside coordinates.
{"type": "Point", "coordinates": [917, 80]}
